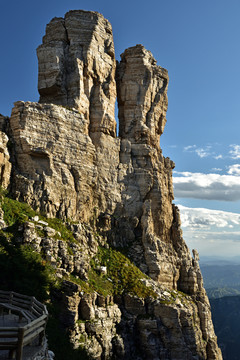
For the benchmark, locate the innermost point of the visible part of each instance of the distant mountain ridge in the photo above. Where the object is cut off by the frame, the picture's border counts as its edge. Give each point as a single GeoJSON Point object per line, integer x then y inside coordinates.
{"type": "Point", "coordinates": [219, 260]}
{"type": "Point", "coordinates": [226, 319]}
{"type": "Point", "coordinates": [220, 276]}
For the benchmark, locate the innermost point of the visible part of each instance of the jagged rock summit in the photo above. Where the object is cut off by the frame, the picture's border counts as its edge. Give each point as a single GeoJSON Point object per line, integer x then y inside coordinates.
{"type": "Point", "coordinates": [68, 162]}
{"type": "Point", "coordinates": [77, 67]}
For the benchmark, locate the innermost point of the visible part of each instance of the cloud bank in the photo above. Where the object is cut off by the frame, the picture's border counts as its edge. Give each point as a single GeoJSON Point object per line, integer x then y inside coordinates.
{"type": "Point", "coordinates": [211, 232]}
{"type": "Point", "coordinates": [234, 169]}
{"type": "Point", "coordinates": [201, 218]}
{"type": "Point", "coordinates": [208, 186]}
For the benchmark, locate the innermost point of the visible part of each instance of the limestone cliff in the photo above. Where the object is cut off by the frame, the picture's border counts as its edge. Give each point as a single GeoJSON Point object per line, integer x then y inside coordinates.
{"type": "Point", "coordinates": [68, 163]}
{"type": "Point", "coordinates": [77, 67]}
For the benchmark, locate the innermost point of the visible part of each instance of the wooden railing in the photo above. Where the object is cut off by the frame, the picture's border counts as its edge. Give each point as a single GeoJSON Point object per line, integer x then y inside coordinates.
{"type": "Point", "coordinates": [35, 313]}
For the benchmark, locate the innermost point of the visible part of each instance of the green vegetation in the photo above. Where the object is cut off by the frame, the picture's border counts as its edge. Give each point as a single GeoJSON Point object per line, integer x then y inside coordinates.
{"type": "Point", "coordinates": [174, 295]}
{"type": "Point", "coordinates": [15, 211]}
{"type": "Point", "coordinates": [58, 225]}
{"type": "Point", "coordinates": [100, 283]}
{"type": "Point", "coordinates": [123, 275]}
{"type": "Point", "coordinates": [167, 301]}
{"type": "Point", "coordinates": [26, 271]}
{"type": "Point", "coordinates": [23, 270]}
{"type": "Point", "coordinates": [85, 286]}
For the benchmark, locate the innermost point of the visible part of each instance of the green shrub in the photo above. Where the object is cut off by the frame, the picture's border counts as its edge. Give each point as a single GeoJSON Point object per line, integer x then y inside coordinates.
{"type": "Point", "coordinates": [16, 212]}
{"type": "Point", "coordinates": [100, 283]}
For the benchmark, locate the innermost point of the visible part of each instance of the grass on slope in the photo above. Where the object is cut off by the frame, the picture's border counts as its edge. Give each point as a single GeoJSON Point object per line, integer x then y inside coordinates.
{"type": "Point", "coordinates": [122, 275]}
{"type": "Point", "coordinates": [16, 212]}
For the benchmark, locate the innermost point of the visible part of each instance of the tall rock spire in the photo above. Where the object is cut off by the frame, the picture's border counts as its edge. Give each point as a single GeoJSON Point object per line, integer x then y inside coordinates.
{"type": "Point", "coordinates": [77, 67]}
{"type": "Point", "coordinates": [142, 96]}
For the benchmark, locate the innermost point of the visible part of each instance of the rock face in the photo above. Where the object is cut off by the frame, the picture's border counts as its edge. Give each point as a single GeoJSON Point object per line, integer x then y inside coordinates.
{"type": "Point", "coordinates": [77, 67]}
{"type": "Point", "coordinates": [166, 328]}
{"type": "Point", "coordinates": [58, 169]}
{"type": "Point", "coordinates": [68, 163]}
{"type": "Point", "coordinates": [146, 174]}
{"type": "Point", "coordinates": [142, 97]}
{"type": "Point", "coordinates": [5, 164]}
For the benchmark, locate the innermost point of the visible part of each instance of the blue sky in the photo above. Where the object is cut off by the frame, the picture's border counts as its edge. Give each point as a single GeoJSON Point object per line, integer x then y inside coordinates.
{"type": "Point", "coordinates": [198, 42]}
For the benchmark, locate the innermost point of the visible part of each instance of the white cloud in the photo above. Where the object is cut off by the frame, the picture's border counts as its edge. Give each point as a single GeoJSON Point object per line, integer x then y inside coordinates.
{"type": "Point", "coordinates": [211, 232]}
{"type": "Point", "coordinates": [216, 169]}
{"type": "Point", "coordinates": [217, 157]}
{"type": "Point", "coordinates": [206, 186]}
{"type": "Point", "coordinates": [190, 148]}
{"type": "Point", "coordinates": [234, 169]}
{"type": "Point", "coordinates": [203, 152]}
{"type": "Point", "coordinates": [202, 218]}
{"type": "Point", "coordinates": [235, 152]}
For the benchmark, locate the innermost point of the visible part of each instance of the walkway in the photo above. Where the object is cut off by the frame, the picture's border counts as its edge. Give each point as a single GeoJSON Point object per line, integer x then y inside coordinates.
{"type": "Point", "coordinates": [10, 320]}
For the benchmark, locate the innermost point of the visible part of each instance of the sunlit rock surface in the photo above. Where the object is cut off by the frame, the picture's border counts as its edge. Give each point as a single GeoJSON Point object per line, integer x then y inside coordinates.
{"type": "Point", "coordinates": [67, 162]}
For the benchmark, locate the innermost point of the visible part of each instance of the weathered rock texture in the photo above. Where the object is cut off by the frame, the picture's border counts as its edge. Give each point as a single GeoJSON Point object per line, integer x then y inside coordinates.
{"type": "Point", "coordinates": [67, 162]}
{"type": "Point", "coordinates": [145, 173]}
{"type": "Point", "coordinates": [166, 328]}
{"type": "Point", "coordinates": [5, 164]}
{"type": "Point", "coordinates": [58, 169]}
{"type": "Point", "coordinates": [77, 67]}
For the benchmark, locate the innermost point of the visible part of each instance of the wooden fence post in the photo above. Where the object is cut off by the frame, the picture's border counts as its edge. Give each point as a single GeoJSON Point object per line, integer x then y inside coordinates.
{"type": "Point", "coordinates": [20, 343]}
{"type": "Point", "coordinates": [10, 301]}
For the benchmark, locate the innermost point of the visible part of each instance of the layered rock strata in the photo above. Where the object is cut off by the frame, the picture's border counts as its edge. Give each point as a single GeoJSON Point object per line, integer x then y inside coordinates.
{"type": "Point", "coordinates": [77, 67]}
{"type": "Point", "coordinates": [146, 174]}
{"type": "Point", "coordinates": [68, 163]}
{"type": "Point", "coordinates": [166, 328]}
{"type": "Point", "coordinates": [58, 170]}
